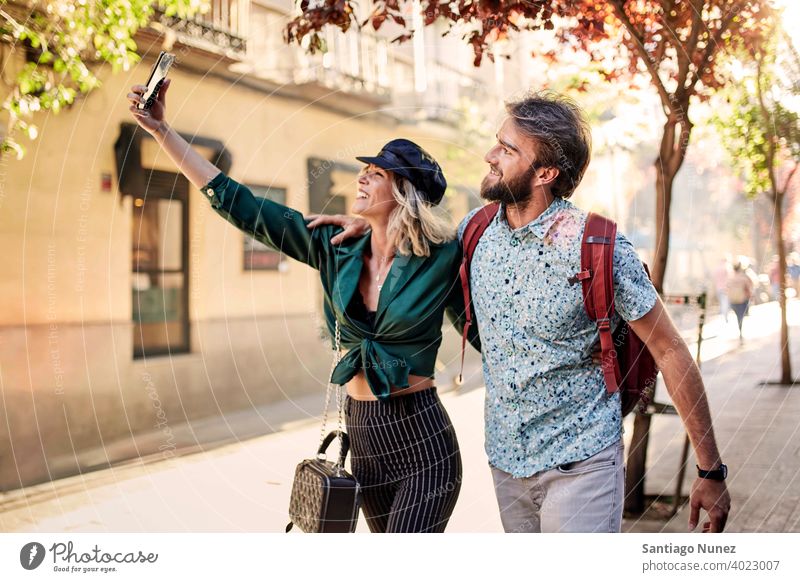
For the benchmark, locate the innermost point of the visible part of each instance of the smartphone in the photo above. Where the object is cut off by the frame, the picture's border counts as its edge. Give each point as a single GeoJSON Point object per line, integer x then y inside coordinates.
{"type": "Point", "coordinates": [157, 76]}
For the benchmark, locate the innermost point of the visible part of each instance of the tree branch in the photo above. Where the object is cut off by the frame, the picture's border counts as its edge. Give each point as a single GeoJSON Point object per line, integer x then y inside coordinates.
{"type": "Point", "coordinates": [713, 42]}
{"type": "Point", "coordinates": [658, 53]}
{"type": "Point", "coordinates": [691, 42]}
{"type": "Point", "coordinates": [773, 179]}
{"type": "Point", "coordinates": [789, 177]}
{"type": "Point", "coordinates": [619, 10]}
{"type": "Point", "coordinates": [682, 53]}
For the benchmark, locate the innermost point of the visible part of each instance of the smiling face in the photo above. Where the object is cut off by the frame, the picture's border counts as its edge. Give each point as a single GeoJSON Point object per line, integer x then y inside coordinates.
{"type": "Point", "coordinates": [512, 174]}
{"type": "Point", "coordinates": [374, 197]}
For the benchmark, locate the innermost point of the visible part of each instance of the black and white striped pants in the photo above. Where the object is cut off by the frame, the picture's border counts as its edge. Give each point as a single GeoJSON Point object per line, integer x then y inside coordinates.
{"type": "Point", "coordinates": [406, 458]}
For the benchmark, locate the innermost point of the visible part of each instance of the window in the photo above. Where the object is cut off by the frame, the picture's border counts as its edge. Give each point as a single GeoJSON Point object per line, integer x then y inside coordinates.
{"type": "Point", "coordinates": [258, 256]}
{"type": "Point", "coordinates": [160, 266]}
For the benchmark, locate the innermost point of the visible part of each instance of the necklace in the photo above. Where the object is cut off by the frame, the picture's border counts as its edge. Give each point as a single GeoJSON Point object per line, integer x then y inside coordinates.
{"type": "Point", "coordinates": [383, 260]}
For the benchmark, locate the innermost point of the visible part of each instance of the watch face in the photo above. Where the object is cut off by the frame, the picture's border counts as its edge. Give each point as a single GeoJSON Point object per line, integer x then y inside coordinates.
{"type": "Point", "coordinates": [724, 469]}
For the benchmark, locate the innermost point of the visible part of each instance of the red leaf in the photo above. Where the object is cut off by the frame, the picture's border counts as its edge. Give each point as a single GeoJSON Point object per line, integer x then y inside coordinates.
{"type": "Point", "coordinates": [403, 38]}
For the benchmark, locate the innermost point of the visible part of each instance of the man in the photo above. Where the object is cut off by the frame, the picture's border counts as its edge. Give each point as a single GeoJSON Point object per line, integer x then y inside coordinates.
{"type": "Point", "coordinates": [553, 434]}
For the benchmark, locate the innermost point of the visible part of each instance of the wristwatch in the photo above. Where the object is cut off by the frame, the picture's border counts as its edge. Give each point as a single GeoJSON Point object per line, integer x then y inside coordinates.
{"type": "Point", "coordinates": [718, 474]}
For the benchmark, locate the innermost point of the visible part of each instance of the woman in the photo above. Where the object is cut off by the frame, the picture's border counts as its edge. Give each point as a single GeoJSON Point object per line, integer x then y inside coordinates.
{"type": "Point", "coordinates": [388, 291]}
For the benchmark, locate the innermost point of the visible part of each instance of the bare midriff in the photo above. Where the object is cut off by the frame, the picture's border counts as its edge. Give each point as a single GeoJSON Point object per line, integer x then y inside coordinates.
{"type": "Point", "coordinates": [358, 389]}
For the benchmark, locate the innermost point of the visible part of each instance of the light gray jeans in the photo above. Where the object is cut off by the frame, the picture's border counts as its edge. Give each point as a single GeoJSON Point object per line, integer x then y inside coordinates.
{"type": "Point", "coordinates": [584, 496]}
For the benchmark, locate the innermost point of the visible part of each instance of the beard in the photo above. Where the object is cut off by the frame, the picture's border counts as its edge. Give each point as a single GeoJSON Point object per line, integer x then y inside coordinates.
{"type": "Point", "coordinates": [517, 191]}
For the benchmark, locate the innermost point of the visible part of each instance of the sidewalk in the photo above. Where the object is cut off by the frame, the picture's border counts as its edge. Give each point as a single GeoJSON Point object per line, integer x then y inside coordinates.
{"type": "Point", "coordinates": [756, 427]}
{"type": "Point", "coordinates": [239, 487]}
{"type": "Point", "coordinates": [245, 486]}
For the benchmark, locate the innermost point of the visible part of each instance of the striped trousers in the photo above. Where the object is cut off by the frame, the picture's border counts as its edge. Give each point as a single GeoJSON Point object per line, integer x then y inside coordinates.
{"type": "Point", "coordinates": [406, 458]}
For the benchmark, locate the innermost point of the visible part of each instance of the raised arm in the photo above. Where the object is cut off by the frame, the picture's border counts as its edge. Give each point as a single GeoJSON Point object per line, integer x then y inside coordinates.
{"type": "Point", "coordinates": [273, 224]}
{"type": "Point", "coordinates": [198, 170]}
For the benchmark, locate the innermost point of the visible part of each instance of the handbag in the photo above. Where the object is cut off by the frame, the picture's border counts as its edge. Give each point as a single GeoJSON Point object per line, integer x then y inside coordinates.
{"type": "Point", "coordinates": [325, 498]}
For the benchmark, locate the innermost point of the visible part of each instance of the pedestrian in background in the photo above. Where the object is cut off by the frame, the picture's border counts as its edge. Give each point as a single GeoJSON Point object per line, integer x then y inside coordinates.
{"type": "Point", "coordinates": [740, 291]}
{"type": "Point", "coordinates": [793, 270]}
{"type": "Point", "coordinates": [774, 278]}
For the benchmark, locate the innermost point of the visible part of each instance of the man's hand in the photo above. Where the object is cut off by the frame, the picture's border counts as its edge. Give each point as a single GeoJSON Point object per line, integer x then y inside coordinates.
{"type": "Point", "coordinates": [713, 497]}
{"type": "Point", "coordinates": [353, 227]}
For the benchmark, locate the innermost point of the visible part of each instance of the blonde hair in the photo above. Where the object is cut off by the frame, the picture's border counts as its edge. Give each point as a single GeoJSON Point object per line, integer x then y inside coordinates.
{"type": "Point", "coordinates": [416, 223]}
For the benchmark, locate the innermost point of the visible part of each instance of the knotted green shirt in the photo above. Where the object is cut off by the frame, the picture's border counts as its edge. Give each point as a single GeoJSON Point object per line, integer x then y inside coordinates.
{"type": "Point", "coordinates": [411, 304]}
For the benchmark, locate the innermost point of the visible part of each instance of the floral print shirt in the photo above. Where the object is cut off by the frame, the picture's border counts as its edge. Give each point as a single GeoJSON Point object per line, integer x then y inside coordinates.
{"type": "Point", "coordinates": [546, 402]}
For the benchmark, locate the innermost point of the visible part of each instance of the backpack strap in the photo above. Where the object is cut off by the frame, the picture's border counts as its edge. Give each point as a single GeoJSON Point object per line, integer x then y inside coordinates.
{"type": "Point", "coordinates": [597, 280]}
{"type": "Point", "coordinates": [469, 242]}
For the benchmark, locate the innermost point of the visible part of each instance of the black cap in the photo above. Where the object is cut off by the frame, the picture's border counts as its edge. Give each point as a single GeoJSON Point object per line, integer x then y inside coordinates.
{"type": "Point", "coordinates": [407, 159]}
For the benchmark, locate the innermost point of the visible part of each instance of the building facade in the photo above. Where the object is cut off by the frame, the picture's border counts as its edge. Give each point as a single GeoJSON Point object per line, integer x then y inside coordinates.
{"type": "Point", "coordinates": [129, 307]}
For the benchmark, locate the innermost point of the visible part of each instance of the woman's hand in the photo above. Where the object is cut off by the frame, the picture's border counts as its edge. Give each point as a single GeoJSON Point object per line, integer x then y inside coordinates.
{"type": "Point", "coordinates": [149, 119]}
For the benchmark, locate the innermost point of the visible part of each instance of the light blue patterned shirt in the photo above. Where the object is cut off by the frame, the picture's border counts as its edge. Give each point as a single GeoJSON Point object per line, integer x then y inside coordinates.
{"type": "Point", "coordinates": [546, 402]}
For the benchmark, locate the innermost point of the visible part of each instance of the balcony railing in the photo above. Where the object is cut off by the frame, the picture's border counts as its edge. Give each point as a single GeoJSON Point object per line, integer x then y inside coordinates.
{"type": "Point", "coordinates": [365, 66]}
{"type": "Point", "coordinates": [222, 29]}
{"type": "Point", "coordinates": [355, 64]}
{"type": "Point", "coordinates": [441, 94]}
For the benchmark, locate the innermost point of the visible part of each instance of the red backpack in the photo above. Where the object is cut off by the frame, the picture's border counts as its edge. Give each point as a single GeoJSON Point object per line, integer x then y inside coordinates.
{"type": "Point", "coordinates": [627, 363]}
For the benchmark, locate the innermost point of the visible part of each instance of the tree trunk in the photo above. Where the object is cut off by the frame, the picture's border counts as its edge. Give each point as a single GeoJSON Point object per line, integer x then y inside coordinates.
{"type": "Point", "coordinates": [664, 183]}
{"type": "Point", "coordinates": [671, 155]}
{"type": "Point", "coordinates": [636, 464]}
{"type": "Point", "coordinates": [777, 195]}
{"type": "Point", "coordinates": [777, 213]}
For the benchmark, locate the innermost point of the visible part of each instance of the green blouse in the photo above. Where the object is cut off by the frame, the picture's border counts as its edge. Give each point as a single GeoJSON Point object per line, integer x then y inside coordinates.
{"type": "Point", "coordinates": [411, 304]}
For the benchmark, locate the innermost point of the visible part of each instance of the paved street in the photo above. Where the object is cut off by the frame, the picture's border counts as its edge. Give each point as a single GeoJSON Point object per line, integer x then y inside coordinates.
{"type": "Point", "coordinates": [756, 427]}
{"type": "Point", "coordinates": [244, 486]}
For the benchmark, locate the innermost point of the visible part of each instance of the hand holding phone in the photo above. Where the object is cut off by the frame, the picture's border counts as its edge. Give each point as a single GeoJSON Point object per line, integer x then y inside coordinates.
{"type": "Point", "coordinates": [148, 102]}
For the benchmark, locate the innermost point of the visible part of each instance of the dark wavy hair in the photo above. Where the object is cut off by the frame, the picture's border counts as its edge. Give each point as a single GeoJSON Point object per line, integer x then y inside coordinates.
{"type": "Point", "coordinates": [562, 136]}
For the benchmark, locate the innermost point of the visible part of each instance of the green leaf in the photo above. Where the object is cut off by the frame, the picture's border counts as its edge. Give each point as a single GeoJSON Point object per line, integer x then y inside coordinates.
{"type": "Point", "coordinates": [67, 32]}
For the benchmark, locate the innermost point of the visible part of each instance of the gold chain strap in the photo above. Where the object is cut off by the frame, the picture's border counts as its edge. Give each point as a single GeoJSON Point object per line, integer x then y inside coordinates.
{"type": "Point", "coordinates": [339, 394]}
